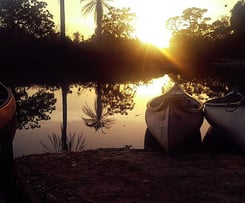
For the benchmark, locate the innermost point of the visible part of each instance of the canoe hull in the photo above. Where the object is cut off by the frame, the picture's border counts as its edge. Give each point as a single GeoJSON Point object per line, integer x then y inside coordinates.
{"type": "Point", "coordinates": [228, 117]}
{"type": "Point", "coordinates": [172, 126]}
{"type": "Point", "coordinates": [7, 106]}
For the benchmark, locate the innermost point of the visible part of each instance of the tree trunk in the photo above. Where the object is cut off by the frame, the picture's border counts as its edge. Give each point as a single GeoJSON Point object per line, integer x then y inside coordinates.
{"type": "Point", "coordinates": [99, 102]}
{"type": "Point", "coordinates": [64, 125]}
{"type": "Point", "coordinates": [62, 18]}
{"type": "Point", "coordinates": [99, 11]}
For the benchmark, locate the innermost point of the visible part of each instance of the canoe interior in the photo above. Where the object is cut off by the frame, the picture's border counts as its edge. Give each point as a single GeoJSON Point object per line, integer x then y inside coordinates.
{"type": "Point", "coordinates": [231, 98]}
{"type": "Point", "coordinates": [178, 97]}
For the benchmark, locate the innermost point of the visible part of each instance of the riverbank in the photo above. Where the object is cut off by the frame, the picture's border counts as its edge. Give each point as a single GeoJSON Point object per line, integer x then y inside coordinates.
{"type": "Point", "coordinates": [133, 175]}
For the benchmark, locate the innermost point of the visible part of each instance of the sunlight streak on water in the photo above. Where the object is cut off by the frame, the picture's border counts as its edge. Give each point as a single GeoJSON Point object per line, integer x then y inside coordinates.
{"type": "Point", "coordinates": [155, 87]}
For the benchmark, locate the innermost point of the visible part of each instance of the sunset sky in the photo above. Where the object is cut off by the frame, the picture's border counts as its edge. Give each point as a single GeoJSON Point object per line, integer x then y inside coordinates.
{"type": "Point", "coordinates": [151, 15]}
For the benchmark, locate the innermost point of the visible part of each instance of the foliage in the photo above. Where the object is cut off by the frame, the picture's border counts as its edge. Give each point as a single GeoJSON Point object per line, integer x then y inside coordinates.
{"type": "Point", "coordinates": [220, 29]}
{"type": "Point", "coordinates": [191, 23]}
{"type": "Point", "coordinates": [91, 118]}
{"type": "Point", "coordinates": [196, 42]}
{"type": "Point", "coordinates": [118, 98]}
{"type": "Point", "coordinates": [111, 99]}
{"type": "Point", "coordinates": [205, 88]}
{"type": "Point", "coordinates": [98, 6]}
{"type": "Point", "coordinates": [118, 23]}
{"type": "Point", "coordinates": [31, 109]}
{"type": "Point", "coordinates": [26, 17]}
{"type": "Point", "coordinates": [77, 37]}
{"type": "Point", "coordinates": [75, 143]}
{"type": "Point", "coordinates": [238, 18]}
{"type": "Point", "coordinates": [194, 24]}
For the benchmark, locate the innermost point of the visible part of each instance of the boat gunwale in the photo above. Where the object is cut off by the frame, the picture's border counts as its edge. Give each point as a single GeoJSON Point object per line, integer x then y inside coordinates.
{"type": "Point", "coordinates": [218, 102]}
{"type": "Point", "coordinates": [8, 98]}
{"type": "Point", "coordinates": [169, 92]}
{"type": "Point", "coordinates": [8, 108]}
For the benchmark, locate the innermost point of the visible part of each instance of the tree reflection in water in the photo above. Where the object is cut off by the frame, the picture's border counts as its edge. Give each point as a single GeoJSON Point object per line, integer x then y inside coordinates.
{"type": "Point", "coordinates": [110, 99]}
{"type": "Point", "coordinates": [36, 103]}
{"type": "Point", "coordinates": [74, 143]}
{"type": "Point", "coordinates": [33, 107]}
{"type": "Point", "coordinates": [205, 88]}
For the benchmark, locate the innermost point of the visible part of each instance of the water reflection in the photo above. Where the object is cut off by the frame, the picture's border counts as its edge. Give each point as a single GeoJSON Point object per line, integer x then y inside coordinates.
{"type": "Point", "coordinates": [34, 104]}
{"type": "Point", "coordinates": [154, 87]}
{"type": "Point", "coordinates": [110, 99]}
{"type": "Point", "coordinates": [99, 118]}
{"type": "Point", "coordinates": [115, 111]}
{"type": "Point", "coordinates": [74, 143]}
{"type": "Point", "coordinates": [205, 88]}
{"type": "Point", "coordinates": [64, 144]}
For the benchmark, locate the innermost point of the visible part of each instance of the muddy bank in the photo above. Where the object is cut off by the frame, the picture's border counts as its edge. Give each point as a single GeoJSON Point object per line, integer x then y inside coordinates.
{"type": "Point", "coordinates": [132, 175]}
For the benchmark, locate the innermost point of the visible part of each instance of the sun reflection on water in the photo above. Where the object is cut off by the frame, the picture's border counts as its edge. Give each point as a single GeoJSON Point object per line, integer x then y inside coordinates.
{"type": "Point", "coordinates": [155, 87]}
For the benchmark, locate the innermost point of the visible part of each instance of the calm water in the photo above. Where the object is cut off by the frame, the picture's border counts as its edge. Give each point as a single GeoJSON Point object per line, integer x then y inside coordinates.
{"type": "Point", "coordinates": [120, 122]}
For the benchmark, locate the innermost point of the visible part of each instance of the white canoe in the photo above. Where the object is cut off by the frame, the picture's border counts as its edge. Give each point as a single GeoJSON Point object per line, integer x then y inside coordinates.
{"type": "Point", "coordinates": [227, 115]}
{"type": "Point", "coordinates": [174, 118]}
{"type": "Point", "coordinates": [7, 106]}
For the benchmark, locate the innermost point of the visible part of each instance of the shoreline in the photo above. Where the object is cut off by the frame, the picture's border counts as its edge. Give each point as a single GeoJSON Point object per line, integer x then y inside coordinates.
{"type": "Point", "coordinates": [134, 175]}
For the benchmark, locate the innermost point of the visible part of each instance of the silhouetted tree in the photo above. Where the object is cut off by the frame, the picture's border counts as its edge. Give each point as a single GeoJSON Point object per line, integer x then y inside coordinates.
{"type": "Point", "coordinates": [118, 23]}
{"type": "Point", "coordinates": [98, 6]}
{"type": "Point", "coordinates": [195, 22]}
{"type": "Point", "coordinates": [192, 23]}
{"type": "Point", "coordinates": [26, 16]}
{"type": "Point", "coordinates": [195, 42]}
{"type": "Point", "coordinates": [77, 37]}
{"type": "Point", "coordinates": [238, 18]}
{"type": "Point", "coordinates": [220, 29]}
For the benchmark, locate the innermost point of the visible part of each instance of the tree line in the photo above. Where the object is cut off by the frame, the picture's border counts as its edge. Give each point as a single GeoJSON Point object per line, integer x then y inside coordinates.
{"type": "Point", "coordinates": [28, 35]}
{"type": "Point", "coordinates": [197, 41]}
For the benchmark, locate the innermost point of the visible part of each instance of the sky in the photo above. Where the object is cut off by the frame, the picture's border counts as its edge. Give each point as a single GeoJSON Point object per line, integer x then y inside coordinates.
{"type": "Point", "coordinates": [150, 15]}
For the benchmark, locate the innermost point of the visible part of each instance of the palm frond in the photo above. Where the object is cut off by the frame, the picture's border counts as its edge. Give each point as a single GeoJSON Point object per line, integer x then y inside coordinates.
{"type": "Point", "coordinates": [106, 5]}
{"type": "Point", "coordinates": [80, 143]}
{"type": "Point", "coordinates": [46, 148]}
{"type": "Point", "coordinates": [90, 122]}
{"type": "Point", "coordinates": [88, 111]}
{"type": "Point", "coordinates": [89, 7]}
{"type": "Point", "coordinates": [108, 122]}
{"type": "Point", "coordinates": [56, 143]}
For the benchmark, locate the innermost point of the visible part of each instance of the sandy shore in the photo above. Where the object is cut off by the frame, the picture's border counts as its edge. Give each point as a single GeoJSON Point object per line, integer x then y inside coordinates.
{"type": "Point", "coordinates": [133, 175]}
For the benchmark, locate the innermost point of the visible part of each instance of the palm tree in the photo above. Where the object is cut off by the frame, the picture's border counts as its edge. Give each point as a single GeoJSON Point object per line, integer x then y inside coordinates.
{"type": "Point", "coordinates": [99, 118]}
{"type": "Point", "coordinates": [98, 6]}
{"type": "Point", "coordinates": [64, 87]}
{"type": "Point", "coordinates": [62, 18]}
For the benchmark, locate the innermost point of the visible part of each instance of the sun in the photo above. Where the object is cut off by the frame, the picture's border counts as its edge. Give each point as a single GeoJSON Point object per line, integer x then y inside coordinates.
{"type": "Point", "coordinates": [149, 32]}
{"type": "Point", "coordinates": [150, 23]}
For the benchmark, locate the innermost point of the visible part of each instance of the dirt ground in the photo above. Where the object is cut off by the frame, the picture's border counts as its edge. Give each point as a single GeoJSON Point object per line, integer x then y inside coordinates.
{"type": "Point", "coordinates": [133, 175]}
